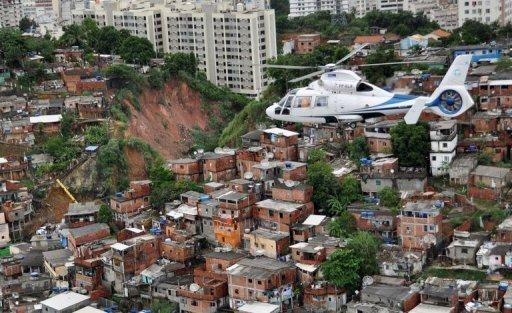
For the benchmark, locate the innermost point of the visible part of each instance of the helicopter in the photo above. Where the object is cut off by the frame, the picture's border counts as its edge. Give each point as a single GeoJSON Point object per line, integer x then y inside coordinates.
{"type": "Point", "coordinates": [341, 96]}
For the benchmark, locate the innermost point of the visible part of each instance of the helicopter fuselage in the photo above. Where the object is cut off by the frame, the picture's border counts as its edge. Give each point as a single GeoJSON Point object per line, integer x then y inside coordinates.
{"type": "Point", "coordinates": [339, 96]}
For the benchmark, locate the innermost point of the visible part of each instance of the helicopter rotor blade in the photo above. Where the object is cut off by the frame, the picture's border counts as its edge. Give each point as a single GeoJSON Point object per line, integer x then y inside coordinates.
{"type": "Point", "coordinates": [308, 76]}
{"type": "Point", "coordinates": [352, 53]}
{"type": "Point", "coordinates": [397, 63]}
{"type": "Point", "coordinates": [289, 67]}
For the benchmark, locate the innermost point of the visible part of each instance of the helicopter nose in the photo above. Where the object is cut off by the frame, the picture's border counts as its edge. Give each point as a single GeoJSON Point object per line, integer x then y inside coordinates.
{"type": "Point", "coordinates": [270, 111]}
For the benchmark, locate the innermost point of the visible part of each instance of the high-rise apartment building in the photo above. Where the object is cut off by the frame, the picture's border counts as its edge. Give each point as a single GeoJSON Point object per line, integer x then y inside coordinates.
{"type": "Point", "coordinates": [484, 11]}
{"type": "Point", "coordinates": [10, 13]}
{"type": "Point", "coordinates": [306, 7]}
{"type": "Point", "coordinates": [228, 41]}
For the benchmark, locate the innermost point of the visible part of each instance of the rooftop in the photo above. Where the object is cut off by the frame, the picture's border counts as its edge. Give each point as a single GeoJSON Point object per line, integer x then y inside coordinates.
{"type": "Point", "coordinates": [269, 234]}
{"type": "Point", "coordinates": [491, 171]}
{"type": "Point", "coordinates": [83, 208]}
{"type": "Point", "coordinates": [400, 293]}
{"type": "Point", "coordinates": [64, 300]}
{"type": "Point", "coordinates": [259, 307]}
{"type": "Point", "coordinates": [280, 132]}
{"type": "Point", "coordinates": [315, 220]}
{"type": "Point", "coordinates": [506, 224]}
{"type": "Point", "coordinates": [88, 229]}
{"type": "Point", "coordinates": [259, 268]}
{"type": "Point", "coordinates": [224, 255]}
{"type": "Point", "coordinates": [57, 257]}
{"type": "Point", "coordinates": [281, 206]}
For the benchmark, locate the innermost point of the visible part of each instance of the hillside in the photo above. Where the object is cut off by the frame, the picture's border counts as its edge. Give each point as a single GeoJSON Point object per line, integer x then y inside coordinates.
{"type": "Point", "coordinates": [166, 118]}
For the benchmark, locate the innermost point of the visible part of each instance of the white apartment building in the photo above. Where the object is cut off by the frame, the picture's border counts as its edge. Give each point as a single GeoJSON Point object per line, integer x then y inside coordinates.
{"type": "Point", "coordinates": [447, 16]}
{"type": "Point", "coordinates": [361, 7]}
{"type": "Point", "coordinates": [506, 6]}
{"type": "Point", "coordinates": [390, 5]}
{"type": "Point", "coordinates": [228, 42]}
{"type": "Point", "coordinates": [443, 141]}
{"type": "Point", "coordinates": [306, 7]}
{"type": "Point", "coordinates": [10, 13]}
{"type": "Point", "coordinates": [484, 11]}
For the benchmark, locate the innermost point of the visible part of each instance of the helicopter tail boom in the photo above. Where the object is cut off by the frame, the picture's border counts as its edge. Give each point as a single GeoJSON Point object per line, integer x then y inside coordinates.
{"type": "Point", "coordinates": [451, 98]}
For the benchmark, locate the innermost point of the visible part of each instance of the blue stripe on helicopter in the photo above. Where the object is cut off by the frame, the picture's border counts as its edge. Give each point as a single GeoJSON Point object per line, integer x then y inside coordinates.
{"type": "Point", "coordinates": [390, 104]}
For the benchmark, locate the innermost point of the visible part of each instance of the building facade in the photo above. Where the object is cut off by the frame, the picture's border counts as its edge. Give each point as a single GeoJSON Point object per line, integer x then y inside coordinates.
{"type": "Point", "coordinates": [229, 42]}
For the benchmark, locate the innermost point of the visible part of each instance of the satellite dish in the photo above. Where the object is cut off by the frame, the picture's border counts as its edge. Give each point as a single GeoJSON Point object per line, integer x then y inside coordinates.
{"type": "Point", "coordinates": [270, 155]}
{"type": "Point", "coordinates": [392, 171]}
{"type": "Point", "coordinates": [429, 239]}
{"type": "Point", "coordinates": [248, 175]}
{"type": "Point", "coordinates": [367, 281]}
{"type": "Point", "coordinates": [218, 150]}
{"type": "Point", "coordinates": [194, 287]}
{"type": "Point", "coordinates": [289, 183]}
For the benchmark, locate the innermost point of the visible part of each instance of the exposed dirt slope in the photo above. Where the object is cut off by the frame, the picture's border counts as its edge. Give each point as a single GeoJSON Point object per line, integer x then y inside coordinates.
{"type": "Point", "coordinates": [166, 118]}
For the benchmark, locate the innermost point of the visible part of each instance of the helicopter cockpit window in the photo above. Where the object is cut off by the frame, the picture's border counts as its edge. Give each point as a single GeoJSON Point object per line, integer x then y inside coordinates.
{"type": "Point", "coordinates": [364, 87]}
{"type": "Point", "coordinates": [302, 102]}
{"type": "Point", "coordinates": [289, 101]}
{"type": "Point", "coordinates": [321, 102]}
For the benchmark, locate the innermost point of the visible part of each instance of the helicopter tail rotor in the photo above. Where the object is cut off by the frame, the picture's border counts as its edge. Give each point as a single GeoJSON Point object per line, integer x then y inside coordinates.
{"type": "Point", "coordinates": [451, 98]}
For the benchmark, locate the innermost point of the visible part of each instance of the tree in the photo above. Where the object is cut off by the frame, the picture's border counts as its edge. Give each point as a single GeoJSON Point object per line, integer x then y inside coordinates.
{"type": "Point", "coordinates": [165, 188]}
{"type": "Point", "coordinates": [411, 143]}
{"type": "Point", "coordinates": [350, 192]}
{"type": "Point", "coordinates": [27, 24]}
{"type": "Point", "coordinates": [378, 74]}
{"type": "Point", "coordinates": [473, 32]}
{"type": "Point", "coordinates": [109, 39]}
{"type": "Point", "coordinates": [342, 226]}
{"type": "Point", "coordinates": [66, 125]}
{"type": "Point", "coordinates": [136, 50]}
{"type": "Point", "coordinates": [316, 155]}
{"type": "Point", "coordinates": [176, 62]}
{"type": "Point", "coordinates": [156, 78]}
{"type": "Point", "coordinates": [365, 247]}
{"type": "Point", "coordinates": [389, 197]}
{"type": "Point", "coordinates": [325, 184]}
{"type": "Point", "coordinates": [358, 149]}
{"type": "Point", "coordinates": [504, 64]}
{"type": "Point", "coordinates": [105, 214]}
{"type": "Point", "coordinates": [342, 269]}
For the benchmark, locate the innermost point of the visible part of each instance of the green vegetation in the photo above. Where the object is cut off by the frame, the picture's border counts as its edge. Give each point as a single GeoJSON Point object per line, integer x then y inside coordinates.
{"type": "Point", "coordinates": [96, 135]}
{"type": "Point", "coordinates": [411, 143]}
{"type": "Point", "coordinates": [105, 214]}
{"type": "Point", "coordinates": [350, 192]}
{"type": "Point", "coordinates": [463, 274]}
{"type": "Point", "coordinates": [316, 155]}
{"type": "Point", "coordinates": [365, 246]}
{"type": "Point", "coordinates": [112, 166]}
{"type": "Point", "coordinates": [242, 122]}
{"type": "Point", "coordinates": [346, 267]}
{"type": "Point", "coordinates": [5, 252]}
{"type": "Point", "coordinates": [92, 38]}
{"type": "Point", "coordinates": [402, 23]}
{"type": "Point", "coordinates": [162, 306]}
{"type": "Point", "coordinates": [389, 197]}
{"type": "Point", "coordinates": [357, 149]}
{"type": "Point", "coordinates": [342, 226]}
{"type": "Point", "coordinates": [324, 183]}
{"type": "Point", "coordinates": [378, 74]}
{"type": "Point", "coordinates": [341, 269]}
{"type": "Point", "coordinates": [166, 188]}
